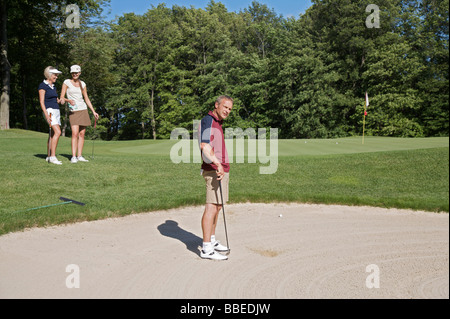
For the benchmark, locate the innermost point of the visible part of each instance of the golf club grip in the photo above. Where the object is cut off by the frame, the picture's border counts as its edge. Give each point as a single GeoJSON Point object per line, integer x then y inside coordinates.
{"type": "Point", "coordinates": [72, 201]}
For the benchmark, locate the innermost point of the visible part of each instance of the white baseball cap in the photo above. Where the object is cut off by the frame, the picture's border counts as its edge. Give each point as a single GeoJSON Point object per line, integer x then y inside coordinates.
{"type": "Point", "coordinates": [75, 69]}
{"type": "Point", "coordinates": [55, 71]}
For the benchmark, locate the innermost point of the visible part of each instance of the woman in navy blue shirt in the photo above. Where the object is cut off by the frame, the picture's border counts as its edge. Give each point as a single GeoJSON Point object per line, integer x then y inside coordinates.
{"type": "Point", "coordinates": [48, 98]}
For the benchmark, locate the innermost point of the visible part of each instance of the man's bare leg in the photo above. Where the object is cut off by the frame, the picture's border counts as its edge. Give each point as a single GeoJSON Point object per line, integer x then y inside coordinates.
{"type": "Point", "coordinates": [209, 221]}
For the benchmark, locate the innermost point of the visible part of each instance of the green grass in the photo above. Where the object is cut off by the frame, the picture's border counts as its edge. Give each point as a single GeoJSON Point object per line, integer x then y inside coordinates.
{"type": "Point", "coordinates": [138, 176]}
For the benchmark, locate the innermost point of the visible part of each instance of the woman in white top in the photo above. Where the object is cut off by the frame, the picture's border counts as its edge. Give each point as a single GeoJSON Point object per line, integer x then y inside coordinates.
{"type": "Point", "coordinates": [79, 102]}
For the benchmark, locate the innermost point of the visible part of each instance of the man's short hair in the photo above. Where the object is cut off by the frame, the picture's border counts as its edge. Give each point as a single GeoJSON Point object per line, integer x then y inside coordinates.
{"type": "Point", "coordinates": [224, 97]}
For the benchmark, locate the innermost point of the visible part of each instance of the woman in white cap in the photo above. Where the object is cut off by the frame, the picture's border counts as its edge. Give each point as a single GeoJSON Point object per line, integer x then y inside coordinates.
{"type": "Point", "coordinates": [48, 98]}
{"type": "Point", "coordinates": [79, 102]}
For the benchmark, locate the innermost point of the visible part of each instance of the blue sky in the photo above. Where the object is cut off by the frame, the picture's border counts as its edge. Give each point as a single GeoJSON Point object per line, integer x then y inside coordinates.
{"type": "Point", "coordinates": [286, 8]}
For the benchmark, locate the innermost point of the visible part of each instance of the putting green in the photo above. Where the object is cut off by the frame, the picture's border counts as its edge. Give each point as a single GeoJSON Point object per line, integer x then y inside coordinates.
{"type": "Point", "coordinates": [354, 145]}
{"type": "Point", "coordinates": [350, 145]}
{"type": "Point", "coordinates": [302, 147]}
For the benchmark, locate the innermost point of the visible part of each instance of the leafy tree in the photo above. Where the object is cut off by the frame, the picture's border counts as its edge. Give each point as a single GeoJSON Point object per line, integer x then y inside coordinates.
{"type": "Point", "coordinates": [148, 74]}
{"type": "Point", "coordinates": [145, 61]}
{"type": "Point", "coordinates": [93, 49]}
{"type": "Point", "coordinates": [35, 35]}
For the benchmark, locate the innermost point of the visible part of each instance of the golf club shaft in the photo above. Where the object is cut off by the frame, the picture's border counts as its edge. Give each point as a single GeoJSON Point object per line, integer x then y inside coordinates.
{"type": "Point", "coordinates": [93, 142]}
{"type": "Point", "coordinates": [49, 143]}
{"type": "Point", "coordinates": [36, 208]}
{"type": "Point", "coordinates": [94, 137]}
{"type": "Point", "coordinates": [224, 219]}
{"type": "Point", "coordinates": [66, 201]}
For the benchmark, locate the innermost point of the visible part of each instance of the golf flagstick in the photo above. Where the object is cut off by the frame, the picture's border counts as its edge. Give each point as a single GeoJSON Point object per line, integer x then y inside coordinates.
{"type": "Point", "coordinates": [366, 104]}
{"type": "Point", "coordinates": [224, 220]}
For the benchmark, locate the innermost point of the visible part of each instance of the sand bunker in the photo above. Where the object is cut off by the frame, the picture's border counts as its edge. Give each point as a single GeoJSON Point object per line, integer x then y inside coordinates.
{"type": "Point", "coordinates": [312, 251]}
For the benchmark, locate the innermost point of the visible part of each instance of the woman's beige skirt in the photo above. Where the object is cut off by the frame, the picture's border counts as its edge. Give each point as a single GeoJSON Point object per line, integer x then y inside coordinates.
{"type": "Point", "coordinates": [80, 118]}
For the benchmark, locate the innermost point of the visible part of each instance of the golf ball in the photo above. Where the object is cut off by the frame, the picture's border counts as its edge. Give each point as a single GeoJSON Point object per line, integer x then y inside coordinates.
{"type": "Point", "coordinates": [281, 215]}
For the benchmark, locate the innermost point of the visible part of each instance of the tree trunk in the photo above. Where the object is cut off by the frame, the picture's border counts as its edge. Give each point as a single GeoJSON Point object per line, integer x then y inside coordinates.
{"type": "Point", "coordinates": [24, 102]}
{"type": "Point", "coordinates": [152, 100]}
{"type": "Point", "coordinates": [5, 69]}
{"type": "Point", "coordinates": [153, 113]}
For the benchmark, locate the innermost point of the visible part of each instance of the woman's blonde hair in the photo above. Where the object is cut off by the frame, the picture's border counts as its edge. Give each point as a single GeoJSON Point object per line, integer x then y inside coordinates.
{"type": "Point", "coordinates": [47, 73]}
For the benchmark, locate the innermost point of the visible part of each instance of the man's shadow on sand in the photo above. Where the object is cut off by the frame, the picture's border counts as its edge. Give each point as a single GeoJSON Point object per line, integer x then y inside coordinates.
{"type": "Point", "coordinates": [171, 229]}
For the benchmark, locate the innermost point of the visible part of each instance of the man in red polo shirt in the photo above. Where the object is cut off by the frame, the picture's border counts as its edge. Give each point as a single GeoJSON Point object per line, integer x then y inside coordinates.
{"type": "Point", "coordinates": [215, 168]}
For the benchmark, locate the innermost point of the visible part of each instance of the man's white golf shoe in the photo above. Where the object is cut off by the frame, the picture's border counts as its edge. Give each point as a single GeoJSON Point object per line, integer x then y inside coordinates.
{"type": "Point", "coordinates": [220, 248]}
{"type": "Point", "coordinates": [214, 255]}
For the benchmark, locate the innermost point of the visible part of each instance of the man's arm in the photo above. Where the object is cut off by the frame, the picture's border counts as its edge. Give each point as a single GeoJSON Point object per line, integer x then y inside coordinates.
{"type": "Point", "coordinates": [208, 152]}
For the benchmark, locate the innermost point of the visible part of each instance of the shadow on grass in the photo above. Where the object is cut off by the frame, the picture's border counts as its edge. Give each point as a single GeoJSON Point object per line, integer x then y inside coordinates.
{"type": "Point", "coordinates": [44, 156]}
{"type": "Point", "coordinates": [171, 229]}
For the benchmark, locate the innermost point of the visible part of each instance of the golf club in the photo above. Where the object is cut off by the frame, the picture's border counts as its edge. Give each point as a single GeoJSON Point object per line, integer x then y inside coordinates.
{"type": "Point", "coordinates": [224, 220]}
{"type": "Point", "coordinates": [66, 201]}
{"type": "Point", "coordinates": [94, 138]}
{"type": "Point", "coordinates": [49, 143]}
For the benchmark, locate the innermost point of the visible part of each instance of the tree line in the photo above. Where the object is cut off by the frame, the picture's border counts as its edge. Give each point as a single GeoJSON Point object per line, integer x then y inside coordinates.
{"type": "Point", "coordinates": [307, 75]}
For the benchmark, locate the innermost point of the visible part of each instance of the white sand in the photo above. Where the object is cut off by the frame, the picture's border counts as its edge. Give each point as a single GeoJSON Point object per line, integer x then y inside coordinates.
{"type": "Point", "coordinates": [313, 251]}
